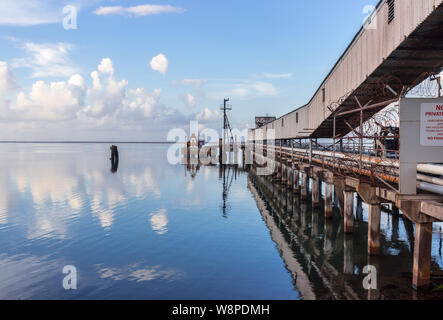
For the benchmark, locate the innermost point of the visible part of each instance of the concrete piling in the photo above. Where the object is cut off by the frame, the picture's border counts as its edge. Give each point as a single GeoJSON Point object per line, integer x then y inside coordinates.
{"type": "Point", "coordinates": [374, 229]}
{"type": "Point", "coordinates": [328, 201]}
{"type": "Point", "coordinates": [296, 183]}
{"type": "Point", "coordinates": [348, 211]}
{"type": "Point", "coordinates": [315, 192]}
{"type": "Point", "coordinates": [421, 275]}
{"type": "Point", "coordinates": [304, 186]}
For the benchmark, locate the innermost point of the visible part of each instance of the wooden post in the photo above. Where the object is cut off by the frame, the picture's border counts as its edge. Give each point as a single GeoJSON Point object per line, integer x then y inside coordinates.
{"type": "Point", "coordinates": [328, 201]}
{"type": "Point", "coordinates": [296, 183]}
{"type": "Point", "coordinates": [314, 223]}
{"type": "Point", "coordinates": [348, 211]}
{"type": "Point", "coordinates": [422, 256]}
{"type": "Point", "coordinates": [374, 229]}
{"type": "Point", "coordinates": [304, 187]}
{"type": "Point", "coordinates": [329, 229]}
{"type": "Point", "coordinates": [315, 192]}
{"type": "Point", "coordinates": [289, 176]}
{"type": "Point", "coordinates": [284, 173]}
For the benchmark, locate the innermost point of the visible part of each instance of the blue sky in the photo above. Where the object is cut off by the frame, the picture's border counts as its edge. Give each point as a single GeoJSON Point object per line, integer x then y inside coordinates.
{"type": "Point", "coordinates": [267, 56]}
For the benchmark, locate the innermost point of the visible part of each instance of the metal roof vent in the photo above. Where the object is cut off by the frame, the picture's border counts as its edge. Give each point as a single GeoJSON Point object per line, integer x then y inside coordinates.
{"type": "Point", "coordinates": [391, 10]}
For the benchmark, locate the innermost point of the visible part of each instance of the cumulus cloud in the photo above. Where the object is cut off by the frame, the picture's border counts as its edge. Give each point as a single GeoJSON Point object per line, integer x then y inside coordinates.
{"type": "Point", "coordinates": [208, 115]}
{"type": "Point", "coordinates": [83, 108]}
{"type": "Point", "coordinates": [51, 101]}
{"type": "Point", "coordinates": [144, 104]}
{"type": "Point", "coordinates": [107, 93]}
{"type": "Point", "coordinates": [159, 63]}
{"type": "Point", "coordinates": [46, 59]}
{"type": "Point", "coordinates": [189, 100]}
{"type": "Point", "coordinates": [106, 66]}
{"type": "Point", "coordinates": [137, 11]}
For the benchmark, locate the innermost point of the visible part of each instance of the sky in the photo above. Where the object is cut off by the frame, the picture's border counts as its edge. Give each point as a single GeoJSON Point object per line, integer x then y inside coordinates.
{"type": "Point", "coordinates": [134, 70]}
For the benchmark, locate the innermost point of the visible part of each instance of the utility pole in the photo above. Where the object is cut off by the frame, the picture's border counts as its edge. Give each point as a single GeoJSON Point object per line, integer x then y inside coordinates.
{"type": "Point", "coordinates": [226, 125]}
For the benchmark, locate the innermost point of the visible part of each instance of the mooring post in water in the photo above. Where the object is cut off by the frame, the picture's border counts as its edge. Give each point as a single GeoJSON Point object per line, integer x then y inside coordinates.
{"type": "Point", "coordinates": [422, 256]}
{"type": "Point", "coordinates": [315, 192]}
{"type": "Point", "coordinates": [114, 159]}
{"type": "Point", "coordinates": [348, 211]}
{"type": "Point", "coordinates": [328, 201]}
{"type": "Point", "coordinates": [374, 229]}
{"type": "Point", "coordinates": [304, 186]}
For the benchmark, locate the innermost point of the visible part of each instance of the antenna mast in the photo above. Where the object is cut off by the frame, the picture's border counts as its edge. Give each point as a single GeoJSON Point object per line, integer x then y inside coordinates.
{"type": "Point", "coordinates": [226, 124]}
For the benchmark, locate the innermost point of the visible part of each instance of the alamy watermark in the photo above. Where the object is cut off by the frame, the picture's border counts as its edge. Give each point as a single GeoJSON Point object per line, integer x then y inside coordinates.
{"type": "Point", "coordinates": [70, 17]}
{"type": "Point", "coordinates": [209, 148]}
{"type": "Point", "coordinates": [370, 281]}
{"type": "Point", "coordinates": [70, 280]}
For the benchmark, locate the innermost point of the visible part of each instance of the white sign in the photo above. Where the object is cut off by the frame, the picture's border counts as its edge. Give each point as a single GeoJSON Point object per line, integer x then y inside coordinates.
{"type": "Point", "coordinates": [431, 132]}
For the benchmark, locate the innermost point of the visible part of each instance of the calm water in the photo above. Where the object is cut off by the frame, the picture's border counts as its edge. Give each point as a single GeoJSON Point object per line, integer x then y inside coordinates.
{"type": "Point", "coordinates": [156, 231]}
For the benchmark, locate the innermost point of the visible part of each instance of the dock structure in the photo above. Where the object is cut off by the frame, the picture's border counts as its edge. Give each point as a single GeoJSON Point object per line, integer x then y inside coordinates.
{"type": "Point", "coordinates": [385, 87]}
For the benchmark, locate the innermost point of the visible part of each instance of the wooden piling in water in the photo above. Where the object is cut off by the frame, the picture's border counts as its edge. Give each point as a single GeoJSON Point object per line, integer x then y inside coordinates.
{"type": "Point", "coordinates": [315, 192]}
{"type": "Point", "coordinates": [304, 186]}
{"type": "Point", "coordinates": [296, 183]}
{"type": "Point", "coordinates": [421, 275]}
{"type": "Point", "coordinates": [374, 229]}
{"type": "Point", "coordinates": [348, 211]}
{"type": "Point", "coordinates": [328, 201]}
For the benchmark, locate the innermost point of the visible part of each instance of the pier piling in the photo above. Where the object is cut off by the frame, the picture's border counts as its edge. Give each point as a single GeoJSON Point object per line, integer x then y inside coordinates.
{"type": "Point", "coordinates": [328, 201]}
{"type": "Point", "coordinates": [422, 256]}
{"type": "Point", "coordinates": [315, 192]}
{"type": "Point", "coordinates": [374, 229]}
{"type": "Point", "coordinates": [348, 211]}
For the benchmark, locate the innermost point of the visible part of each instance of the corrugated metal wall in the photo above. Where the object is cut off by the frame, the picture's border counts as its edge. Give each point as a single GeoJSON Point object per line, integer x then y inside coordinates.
{"type": "Point", "coordinates": [365, 54]}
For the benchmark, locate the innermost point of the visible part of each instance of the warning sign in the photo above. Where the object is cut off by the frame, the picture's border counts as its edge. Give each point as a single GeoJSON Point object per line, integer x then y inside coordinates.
{"type": "Point", "coordinates": [431, 133]}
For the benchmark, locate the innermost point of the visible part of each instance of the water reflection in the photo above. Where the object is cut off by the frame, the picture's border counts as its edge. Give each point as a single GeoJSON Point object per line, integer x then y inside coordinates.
{"type": "Point", "coordinates": [326, 263]}
{"type": "Point", "coordinates": [147, 230]}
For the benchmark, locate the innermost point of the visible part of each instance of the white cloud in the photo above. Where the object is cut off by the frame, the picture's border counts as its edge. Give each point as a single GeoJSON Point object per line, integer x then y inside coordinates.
{"type": "Point", "coordinates": [106, 11]}
{"type": "Point", "coordinates": [7, 79]}
{"type": "Point", "coordinates": [189, 100]}
{"type": "Point", "coordinates": [25, 13]}
{"type": "Point", "coordinates": [208, 115]}
{"type": "Point", "coordinates": [137, 11]}
{"type": "Point", "coordinates": [144, 104]}
{"type": "Point", "coordinates": [54, 101]}
{"type": "Point", "coordinates": [107, 93]}
{"type": "Point", "coordinates": [247, 89]}
{"type": "Point", "coordinates": [159, 63]}
{"type": "Point", "coordinates": [106, 66]}
{"type": "Point", "coordinates": [46, 59]}
{"type": "Point", "coordinates": [197, 83]}
{"type": "Point", "coordinates": [78, 109]}
{"type": "Point", "coordinates": [275, 76]}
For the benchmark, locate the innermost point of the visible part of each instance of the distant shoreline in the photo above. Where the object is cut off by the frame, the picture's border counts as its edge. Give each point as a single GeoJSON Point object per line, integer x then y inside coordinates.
{"type": "Point", "coordinates": [91, 142]}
